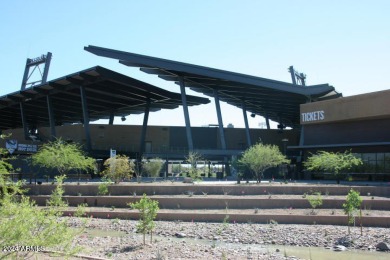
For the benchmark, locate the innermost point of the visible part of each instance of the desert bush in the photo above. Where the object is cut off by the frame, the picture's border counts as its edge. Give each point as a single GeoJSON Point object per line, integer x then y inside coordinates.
{"type": "Point", "coordinates": [148, 211]}
{"type": "Point", "coordinates": [351, 206]}
{"type": "Point", "coordinates": [153, 167]}
{"type": "Point", "coordinates": [118, 168]}
{"type": "Point", "coordinates": [315, 201]}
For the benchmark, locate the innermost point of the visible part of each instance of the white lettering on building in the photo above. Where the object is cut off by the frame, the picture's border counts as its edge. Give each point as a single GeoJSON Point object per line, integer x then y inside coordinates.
{"type": "Point", "coordinates": [313, 116]}
{"type": "Point", "coordinates": [32, 148]}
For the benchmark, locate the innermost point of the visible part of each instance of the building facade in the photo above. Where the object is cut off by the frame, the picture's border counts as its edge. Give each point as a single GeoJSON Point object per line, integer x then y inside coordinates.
{"type": "Point", "coordinates": [358, 123]}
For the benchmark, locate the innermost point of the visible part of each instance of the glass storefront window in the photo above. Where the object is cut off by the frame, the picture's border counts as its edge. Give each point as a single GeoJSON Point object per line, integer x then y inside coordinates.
{"type": "Point", "coordinates": [380, 156]}
{"type": "Point", "coordinates": [373, 163]}
{"type": "Point", "coordinates": [387, 166]}
{"type": "Point", "coordinates": [369, 156]}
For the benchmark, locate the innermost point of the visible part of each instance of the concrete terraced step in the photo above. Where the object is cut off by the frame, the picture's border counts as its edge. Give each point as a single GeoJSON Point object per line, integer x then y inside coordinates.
{"type": "Point", "coordinates": [176, 188]}
{"type": "Point", "coordinates": [219, 202]}
{"type": "Point", "coordinates": [323, 217]}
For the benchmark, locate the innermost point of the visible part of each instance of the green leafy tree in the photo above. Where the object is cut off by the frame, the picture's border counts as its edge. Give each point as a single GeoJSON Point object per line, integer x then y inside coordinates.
{"type": "Point", "coordinates": [335, 163]}
{"type": "Point", "coordinates": [23, 223]}
{"type": "Point", "coordinates": [153, 167]}
{"type": "Point", "coordinates": [5, 167]}
{"type": "Point", "coordinates": [118, 168]}
{"type": "Point", "coordinates": [148, 211]}
{"type": "Point", "coordinates": [238, 168]}
{"type": "Point", "coordinates": [260, 157]}
{"type": "Point", "coordinates": [193, 171]}
{"type": "Point", "coordinates": [63, 157]}
{"type": "Point", "coordinates": [351, 206]}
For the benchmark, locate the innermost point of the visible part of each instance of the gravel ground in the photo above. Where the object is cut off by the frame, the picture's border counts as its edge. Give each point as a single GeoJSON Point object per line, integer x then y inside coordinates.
{"type": "Point", "coordinates": [117, 239]}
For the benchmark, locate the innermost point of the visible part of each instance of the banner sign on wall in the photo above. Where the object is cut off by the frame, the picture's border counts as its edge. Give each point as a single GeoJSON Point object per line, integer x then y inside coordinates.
{"type": "Point", "coordinates": [11, 145]}
{"type": "Point", "coordinates": [29, 148]}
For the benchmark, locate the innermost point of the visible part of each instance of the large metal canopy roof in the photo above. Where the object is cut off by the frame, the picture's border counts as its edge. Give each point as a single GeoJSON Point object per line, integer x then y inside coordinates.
{"type": "Point", "coordinates": [106, 91]}
{"type": "Point", "coordinates": [276, 100]}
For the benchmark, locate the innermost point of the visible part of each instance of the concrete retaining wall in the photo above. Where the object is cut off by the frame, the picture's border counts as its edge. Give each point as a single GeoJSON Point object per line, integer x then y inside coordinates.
{"type": "Point", "coordinates": [244, 218]}
{"type": "Point", "coordinates": [212, 203]}
{"type": "Point", "coordinates": [179, 188]}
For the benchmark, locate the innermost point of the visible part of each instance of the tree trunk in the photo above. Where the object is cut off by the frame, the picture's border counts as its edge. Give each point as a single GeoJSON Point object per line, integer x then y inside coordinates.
{"type": "Point", "coordinates": [259, 178]}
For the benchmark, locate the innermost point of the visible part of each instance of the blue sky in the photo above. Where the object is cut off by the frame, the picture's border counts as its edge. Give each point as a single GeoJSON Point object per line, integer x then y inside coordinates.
{"type": "Point", "coordinates": [343, 43]}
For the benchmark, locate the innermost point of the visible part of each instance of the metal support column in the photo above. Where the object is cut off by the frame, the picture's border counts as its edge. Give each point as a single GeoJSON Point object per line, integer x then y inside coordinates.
{"type": "Point", "coordinates": [143, 133]}
{"type": "Point", "coordinates": [24, 121]}
{"type": "Point", "coordinates": [25, 75]}
{"type": "Point", "coordinates": [166, 168]}
{"type": "Point", "coordinates": [267, 122]}
{"type": "Point", "coordinates": [248, 136]}
{"type": "Point", "coordinates": [292, 72]}
{"type": "Point", "coordinates": [111, 120]}
{"type": "Point", "coordinates": [186, 115]}
{"type": "Point", "coordinates": [51, 117]}
{"type": "Point", "coordinates": [34, 63]}
{"type": "Point", "coordinates": [302, 136]}
{"type": "Point", "coordinates": [85, 117]}
{"type": "Point", "coordinates": [46, 69]}
{"type": "Point", "coordinates": [220, 123]}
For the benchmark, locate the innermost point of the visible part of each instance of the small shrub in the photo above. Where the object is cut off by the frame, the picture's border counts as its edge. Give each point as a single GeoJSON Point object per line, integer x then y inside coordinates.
{"type": "Point", "coordinates": [80, 211]}
{"type": "Point", "coordinates": [103, 187]}
{"type": "Point", "coordinates": [148, 211]}
{"type": "Point", "coordinates": [115, 221]}
{"type": "Point", "coordinates": [193, 171]}
{"type": "Point", "coordinates": [351, 205]}
{"type": "Point", "coordinates": [315, 201]}
{"type": "Point", "coordinates": [118, 168]}
{"type": "Point", "coordinates": [153, 167]}
{"type": "Point", "coordinates": [224, 225]}
{"type": "Point", "coordinates": [23, 223]}
{"type": "Point", "coordinates": [225, 192]}
{"type": "Point", "coordinates": [56, 197]}
{"type": "Point", "coordinates": [273, 222]}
